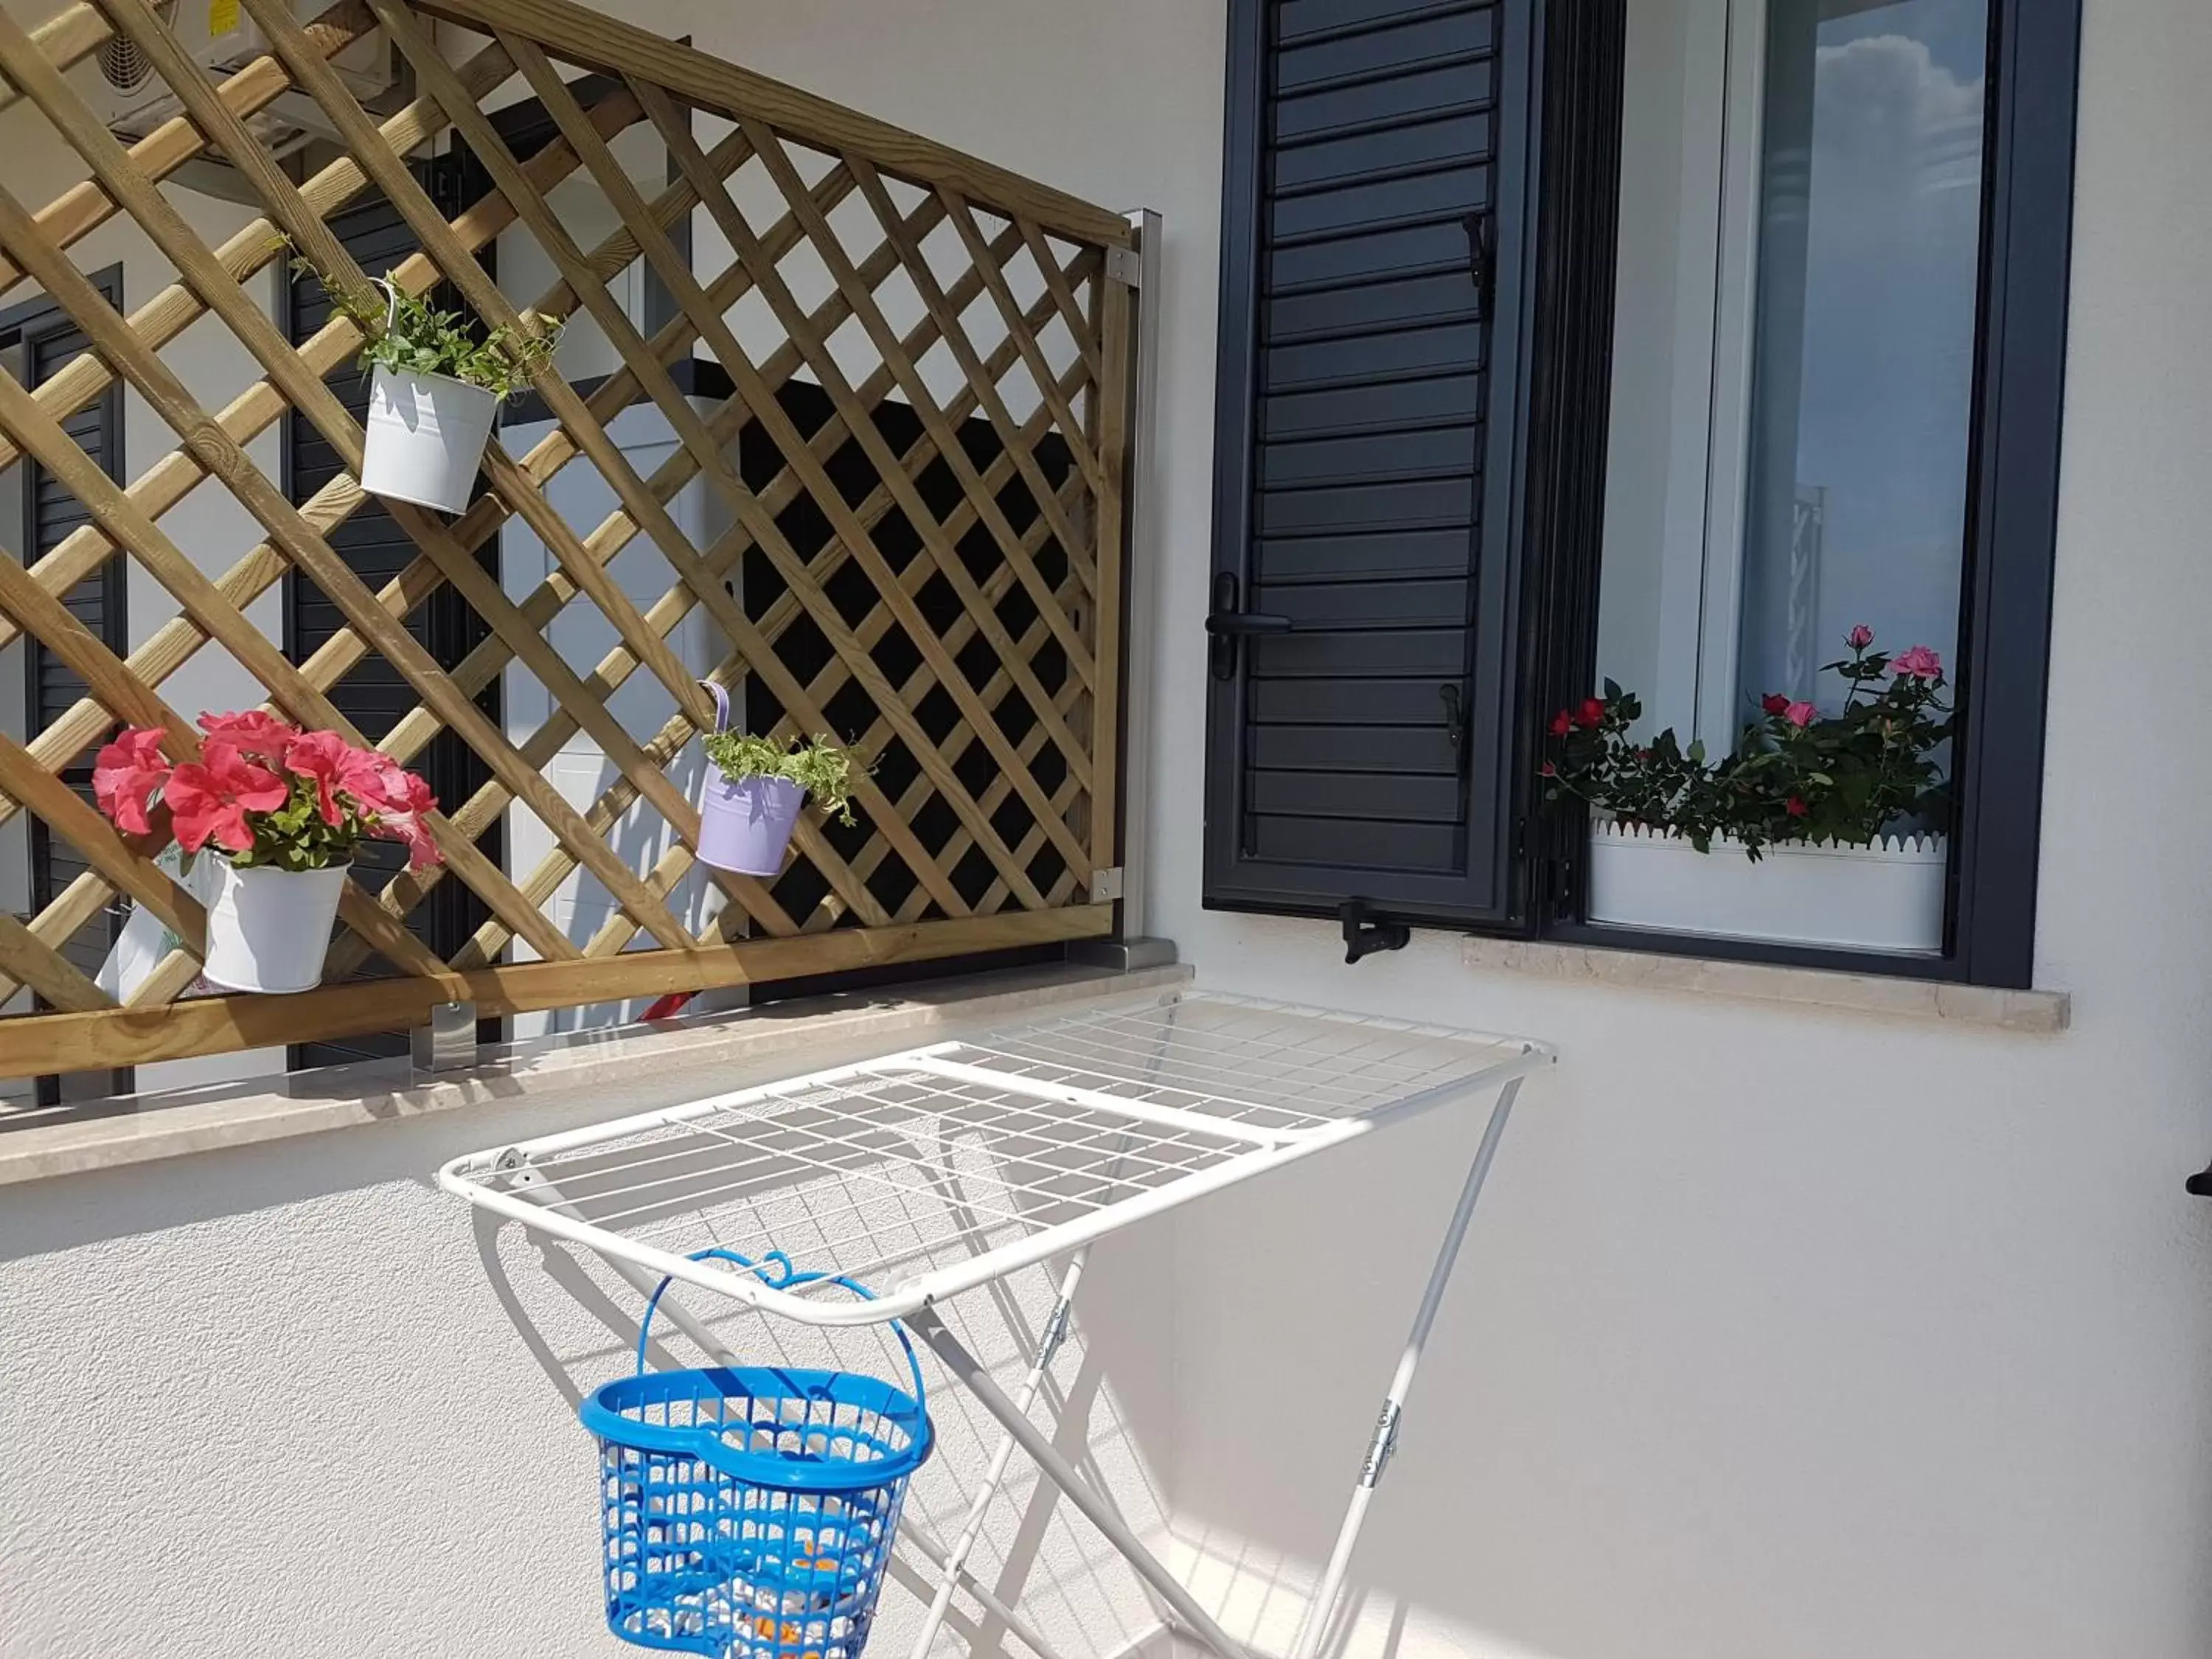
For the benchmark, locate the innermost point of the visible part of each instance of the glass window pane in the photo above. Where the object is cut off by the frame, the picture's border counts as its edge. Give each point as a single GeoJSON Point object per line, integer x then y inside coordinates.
{"type": "Point", "coordinates": [1862, 363]}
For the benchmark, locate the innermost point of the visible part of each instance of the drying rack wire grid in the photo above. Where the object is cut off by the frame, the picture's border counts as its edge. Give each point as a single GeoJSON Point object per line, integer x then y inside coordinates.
{"type": "Point", "coordinates": [932, 1171]}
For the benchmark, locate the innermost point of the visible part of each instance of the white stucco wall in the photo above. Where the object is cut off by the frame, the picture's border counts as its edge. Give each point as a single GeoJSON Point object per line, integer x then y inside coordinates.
{"type": "Point", "coordinates": [1777, 1334]}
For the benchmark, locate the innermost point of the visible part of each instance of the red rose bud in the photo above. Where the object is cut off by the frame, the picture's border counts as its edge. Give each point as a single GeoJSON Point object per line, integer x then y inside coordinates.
{"type": "Point", "coordinates": [1592, 714]}
{"type": "Point", "coordinates": [1550, 770]}
{"type": "Point", "coordinates": [1774, 703]}
{"type": "Point", "coordinates": [1562, 723]}
{"type": "Point", "coordinates": [1795, 806]}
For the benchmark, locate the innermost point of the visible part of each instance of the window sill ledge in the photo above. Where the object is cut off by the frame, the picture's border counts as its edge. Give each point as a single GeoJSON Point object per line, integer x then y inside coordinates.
{"type": "Point", "coordinates": [598, 1075]}
{"type": "Point", "coordinates": [2039, 1012]}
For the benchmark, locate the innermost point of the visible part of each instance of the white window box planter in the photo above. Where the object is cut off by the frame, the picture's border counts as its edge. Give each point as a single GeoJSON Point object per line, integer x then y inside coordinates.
{"type": "Point", "coordinates": [1888, 897]}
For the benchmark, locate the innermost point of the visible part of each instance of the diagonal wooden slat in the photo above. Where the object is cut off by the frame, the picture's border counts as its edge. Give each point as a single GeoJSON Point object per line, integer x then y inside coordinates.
{"type": "Point", "coordinates": [1025, 649]}
{"type": "Point", "coordinates": [672, 543]}
{"type": "Point", "coordinates": [89, 658]}
{"type": "Point", "coordinates": [678, 601]}
{"type": "Point", "coordinates": [831, 500]}
{"type": "Point", "coordinates": [483, 664]}
{"type": "Point", "coordinates": [595, 40]}
{"type": "Point", "coordinates": [300, 540]}
{"type": "Point", "coordinates": [1063, 296]}
{"type": "Point", "coordinates": [29, 960]}
{"type": "Point", "coordinates": [1010, 310]}
{"type": "Point", "coordinates": [917, 264]}
{"type": "Point", "coordinates": [458, 565]}
{"type": "Point", "coordinates": [70, 35]}
{"type": "Point", "coordinates": [84, 207]}
{"type": "Point", "coordinates": [59, 455]}
{"type": "Point", "coordinates": [830, 250]}
{"type": "Point", "coordinates": [590, 437]}
{"type": "Point", "coordinates": [694, 301]}
{"type": "Point", "coordinates": [175, 642]}
{"type": "Point", "coordinates": [254, 246]}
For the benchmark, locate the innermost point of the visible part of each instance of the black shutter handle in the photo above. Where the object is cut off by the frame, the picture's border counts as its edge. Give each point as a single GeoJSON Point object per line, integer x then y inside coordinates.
{"type": "Point", "coordinates": [1226, 623]}
{"type": "Point", "coordinates": [1239, 623]}
{"type": "Point", "coordinates": [1481, 230]}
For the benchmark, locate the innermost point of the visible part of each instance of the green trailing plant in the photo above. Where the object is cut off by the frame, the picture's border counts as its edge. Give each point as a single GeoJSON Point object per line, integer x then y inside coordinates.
{"type": "Point", "coordinates": [822, 769]}
{"type": "Point", "coordinates": [1796, 775]}
{"type": "Point", "coordinates": [404, 333]}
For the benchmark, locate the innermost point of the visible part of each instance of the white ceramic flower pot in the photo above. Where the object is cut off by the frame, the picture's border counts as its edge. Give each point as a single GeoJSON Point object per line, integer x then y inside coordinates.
{"type": "Point", "coordinates": [1888, 897]}
{"type": "Point", "coordinates": [426, 438]}
{"type": "Point", "coordinates": [269, 930]}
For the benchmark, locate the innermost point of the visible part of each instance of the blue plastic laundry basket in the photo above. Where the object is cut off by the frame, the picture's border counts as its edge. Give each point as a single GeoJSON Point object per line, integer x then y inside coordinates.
{"type": "Point", "coordinates": [748, 1512]}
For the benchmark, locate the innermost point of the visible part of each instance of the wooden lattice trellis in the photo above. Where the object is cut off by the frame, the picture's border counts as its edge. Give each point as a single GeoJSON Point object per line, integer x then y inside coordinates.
{"type": "Point", "coordinates": [960, 612]}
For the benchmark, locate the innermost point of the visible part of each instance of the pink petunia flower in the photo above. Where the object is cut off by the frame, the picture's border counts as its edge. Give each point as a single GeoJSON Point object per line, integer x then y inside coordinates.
{"type": "Point", "coordinates": [255, 733]}
{"type": "Point", "coordinates": [1801, 715]}
{"type": "Point", "coordinates": [321, 756]}
{"type": "Point", "coordinates": [1859, 638]}
{"type": "Point", "coordinates": [126, 775]}
{"type": "Point", "coordinates": [378, 782]}
{"type": "Point", "coordinates": [209, 798]}
{"type": "Point", "coordinates": [1918, 663]}
{"type": "Point", "coordinates": [407, 830]}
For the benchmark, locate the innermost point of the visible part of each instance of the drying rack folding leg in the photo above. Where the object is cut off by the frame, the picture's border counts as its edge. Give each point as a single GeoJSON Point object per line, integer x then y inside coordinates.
{"type": "Point", "coordinates": [1385, 1443]}
{"type": "Point", "coordinates": [971, 1529]}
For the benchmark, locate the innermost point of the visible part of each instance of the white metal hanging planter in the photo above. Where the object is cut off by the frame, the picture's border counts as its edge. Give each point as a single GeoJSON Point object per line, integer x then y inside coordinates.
{"type": "Point", "coordinates": [426, 434]}
{"type": "Point", "coordinates": [269, 930]}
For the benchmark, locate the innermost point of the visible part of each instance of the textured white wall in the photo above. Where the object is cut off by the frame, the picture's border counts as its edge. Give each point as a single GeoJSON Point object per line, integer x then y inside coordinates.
{"type": "Point", "coordinates": [1777, 1334]}
{"type": "Point", "coordinates": [1792, 1333]}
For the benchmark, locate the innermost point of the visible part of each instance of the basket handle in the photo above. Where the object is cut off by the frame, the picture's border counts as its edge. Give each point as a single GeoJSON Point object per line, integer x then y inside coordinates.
{"type": "Point", "coordinates": [776, 1272]}
{"type": "Point", "coordinates": [722, 724]}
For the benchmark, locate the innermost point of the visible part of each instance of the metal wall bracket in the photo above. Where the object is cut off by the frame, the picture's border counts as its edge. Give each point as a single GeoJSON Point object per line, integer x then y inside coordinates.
{"type": "Point", "coordinates": [1125, 265]}
{"type": "Point", "coordinates": [1106, 885]}
{"type": "Point", "coordinates": [448, 1042]}
{"type": "Point", "coordinates": [1363, 935]}
{"type": "Point", "coordinates": [1123, 956]}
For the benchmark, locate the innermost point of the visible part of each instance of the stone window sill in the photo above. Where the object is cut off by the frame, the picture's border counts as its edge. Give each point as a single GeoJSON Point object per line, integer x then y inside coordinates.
{"type": "Point", "coordinates": [2042, 1012]}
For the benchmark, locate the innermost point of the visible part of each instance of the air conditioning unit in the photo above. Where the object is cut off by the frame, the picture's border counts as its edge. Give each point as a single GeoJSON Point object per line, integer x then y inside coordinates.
{"type": "Point", "coordinates": [125, 89]}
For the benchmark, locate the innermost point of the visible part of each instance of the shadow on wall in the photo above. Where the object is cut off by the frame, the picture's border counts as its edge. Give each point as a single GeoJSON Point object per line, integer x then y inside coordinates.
{"type": "Point", "coordinates": [380, 1403]}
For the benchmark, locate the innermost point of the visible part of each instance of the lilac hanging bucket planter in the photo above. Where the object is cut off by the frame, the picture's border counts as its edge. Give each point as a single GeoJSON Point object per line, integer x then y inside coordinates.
{"type": "Point", "coordinates": [744, 823]}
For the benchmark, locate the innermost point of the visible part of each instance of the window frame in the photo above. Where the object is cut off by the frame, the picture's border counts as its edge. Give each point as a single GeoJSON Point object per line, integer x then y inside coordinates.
{"type": "Point", "coordinates": [2010, 550]}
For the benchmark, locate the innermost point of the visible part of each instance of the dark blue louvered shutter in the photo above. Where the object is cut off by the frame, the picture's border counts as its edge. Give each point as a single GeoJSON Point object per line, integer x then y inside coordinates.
{"type": "Point", "coordinates": [1360, 615]}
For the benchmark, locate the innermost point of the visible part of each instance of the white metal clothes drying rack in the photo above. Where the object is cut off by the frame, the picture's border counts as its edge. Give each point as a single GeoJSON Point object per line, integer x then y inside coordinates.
{"type": "Point", "coordinates": [1019, 1147]}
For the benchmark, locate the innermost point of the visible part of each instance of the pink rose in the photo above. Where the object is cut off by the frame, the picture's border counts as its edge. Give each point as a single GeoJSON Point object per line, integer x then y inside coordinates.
{"type": "Point", "coordinates": [1918, 663]}
{"type": "Point", "coordinates": [1801, 715]}
{"type": "Point", "coordinates": [1859, 638]}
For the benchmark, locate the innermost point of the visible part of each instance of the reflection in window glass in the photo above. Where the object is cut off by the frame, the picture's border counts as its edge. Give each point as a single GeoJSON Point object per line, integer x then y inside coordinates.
{"type": "Point", "coordinates": [1863, 366]}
